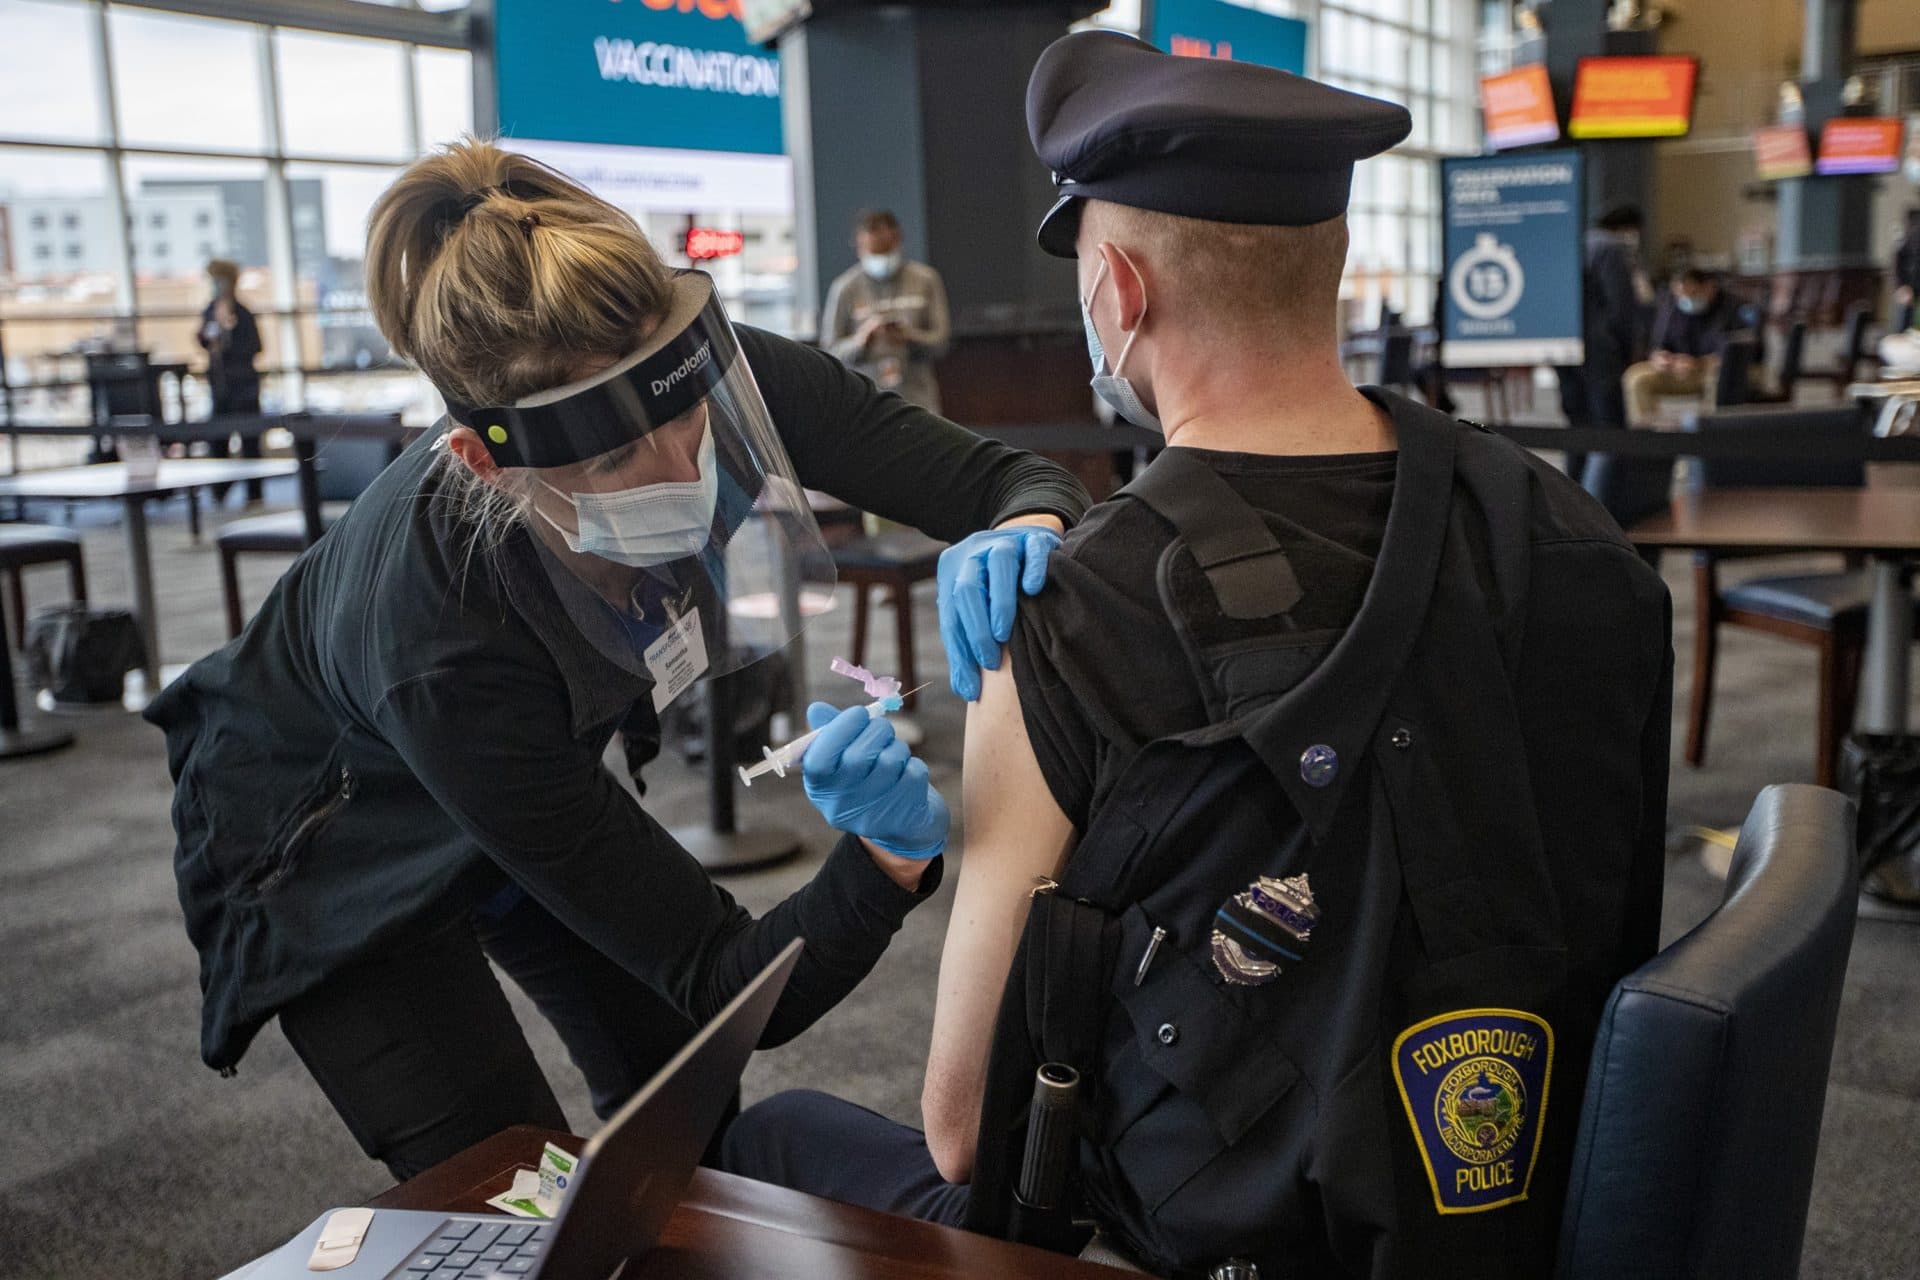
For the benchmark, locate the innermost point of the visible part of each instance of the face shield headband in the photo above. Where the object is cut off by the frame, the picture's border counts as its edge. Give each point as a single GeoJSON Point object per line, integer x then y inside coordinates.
{"type": "Point", "coordinates": [689, 354]}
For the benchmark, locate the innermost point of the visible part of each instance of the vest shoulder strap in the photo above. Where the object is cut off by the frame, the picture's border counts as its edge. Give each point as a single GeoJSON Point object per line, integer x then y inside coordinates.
{"type": "Point", "coordinates": [1244, 563]}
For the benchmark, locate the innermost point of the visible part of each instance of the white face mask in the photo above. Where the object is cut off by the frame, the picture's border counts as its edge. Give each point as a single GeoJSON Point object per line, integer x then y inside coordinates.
{"type": "Point", "coordinates": [881, 266]}
{"type": "Point", "coordinates": [1116, 390]}
{"type": "Point", "coordinates": [652, 524]}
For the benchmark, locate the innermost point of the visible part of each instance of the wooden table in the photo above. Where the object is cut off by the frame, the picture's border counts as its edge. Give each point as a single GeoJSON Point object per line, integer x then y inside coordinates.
{"type": "Point", "coordinates": [1882, 524]}
{"type": "Point", "coordinates": [109, 481]}
{"type": "Point", "coordinates": [729, 1228]}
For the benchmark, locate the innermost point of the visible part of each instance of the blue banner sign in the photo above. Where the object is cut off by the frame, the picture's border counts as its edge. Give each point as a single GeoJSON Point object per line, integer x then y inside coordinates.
{"type": "Point", "coordinates": [1512, 245]}
{"type": "Point", "coordinates": [648, 73]}
{"type": "Point", "coordinates": [1215, 29]}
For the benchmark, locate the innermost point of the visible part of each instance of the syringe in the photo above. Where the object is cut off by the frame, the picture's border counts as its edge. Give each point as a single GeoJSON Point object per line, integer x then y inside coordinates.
{"type": "Point", "coordinates": [780, 759]}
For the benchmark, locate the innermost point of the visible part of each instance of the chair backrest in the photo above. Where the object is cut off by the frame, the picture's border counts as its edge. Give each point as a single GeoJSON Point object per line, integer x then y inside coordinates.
{"type": "Point", "coordinates": [1734, 383]}
{"type": "Point", "coordinates": [1396, 358]}
{"type": "Point", "coordinates": [1854, 344]}
{"type": "Point", "coordinates": [1836, 424]}
{"type": "Point", "coordinates": [122, 383]}
{"type": "Point", "coordinates": [1793, 357]}
{"type": "Point", "coordinates": [1702, 1115]}
{"type": "Point", "coordinates": [349, 464]}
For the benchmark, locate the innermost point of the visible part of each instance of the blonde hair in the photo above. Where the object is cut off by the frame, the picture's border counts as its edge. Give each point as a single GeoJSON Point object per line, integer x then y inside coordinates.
{"type": "Point", "coordinates": [500, 277]}
{"type": "Point", "coordinates": [1234, 280]}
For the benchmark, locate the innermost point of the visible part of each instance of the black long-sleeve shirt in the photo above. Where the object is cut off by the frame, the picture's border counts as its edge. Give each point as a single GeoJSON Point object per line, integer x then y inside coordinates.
{"type": "Point", "coordinates": [230, 356]}
{"type": "Point", "coordinates": [395, 730]}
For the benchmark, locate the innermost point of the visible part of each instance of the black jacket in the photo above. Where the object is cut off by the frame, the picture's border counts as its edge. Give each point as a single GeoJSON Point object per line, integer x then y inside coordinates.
{"type": "Point", "coordinates": [394, 731]}
{"type": "Point", "coordinates": [1701, 333]}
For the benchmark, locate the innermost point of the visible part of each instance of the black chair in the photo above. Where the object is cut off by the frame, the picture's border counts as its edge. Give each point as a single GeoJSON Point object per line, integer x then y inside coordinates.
{"type": "Point", "coordinates": [1396, 359]}
{"type": "Point", "coordinates": [1733, 384]}
{"type": "Point", "coordinates": [1825, 610]}
{"type": "Point", "coordinates": [1631, 489]}
{"type": "Point", "coordinates": [1697, 1136]}
{"type": "Point", "coordinates": [1853, 350]}
{"type": "Point", "coordinates": [1793, 355]}
{"type": "Point", "coordinates": [22, 547]}
{"type": "Point", "coordinates": [346, 467]}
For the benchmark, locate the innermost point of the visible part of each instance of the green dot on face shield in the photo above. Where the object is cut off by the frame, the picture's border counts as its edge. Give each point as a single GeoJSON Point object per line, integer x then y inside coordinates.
{"type": "Point", "coordinates": [497, 433]}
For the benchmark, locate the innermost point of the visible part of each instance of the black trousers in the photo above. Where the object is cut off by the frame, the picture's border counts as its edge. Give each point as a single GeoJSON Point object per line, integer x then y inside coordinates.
{"type": "Point", "coordinates": [827, 1146]}
{"type": "Point", "coordinates": [236, 398]}
{"type": "Point", "coordinates": [418, 1049]}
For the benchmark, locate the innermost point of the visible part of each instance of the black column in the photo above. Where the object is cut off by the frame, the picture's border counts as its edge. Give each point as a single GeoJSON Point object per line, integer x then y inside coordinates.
{"type": "Point", "coordinates": [923, 111]}
{"type": "Point", "coordinates": [1826, 223]}
{"type": "Point", "coordinates": [1618, 170]}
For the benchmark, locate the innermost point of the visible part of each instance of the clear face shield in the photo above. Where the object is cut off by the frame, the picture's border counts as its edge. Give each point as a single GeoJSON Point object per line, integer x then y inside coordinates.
{"type": "Point", "coordinates": [662, 503]}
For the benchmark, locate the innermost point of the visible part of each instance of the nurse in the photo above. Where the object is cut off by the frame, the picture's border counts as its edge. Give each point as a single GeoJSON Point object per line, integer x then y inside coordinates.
{"type": "Point", "coordinates": [394, 776]}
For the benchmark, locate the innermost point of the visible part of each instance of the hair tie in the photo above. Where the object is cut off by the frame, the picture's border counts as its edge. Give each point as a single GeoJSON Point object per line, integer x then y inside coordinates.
{"type": "Point", "coordinates": [528, 223]}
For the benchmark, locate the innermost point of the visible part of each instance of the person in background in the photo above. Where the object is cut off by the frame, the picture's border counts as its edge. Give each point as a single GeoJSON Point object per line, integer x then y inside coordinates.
{"type": "Point", "coordinates": [1688, 338]}
{"type": "Point", "coordinates": [1906, 272]}
{"type": "Point", "coordinates": [886, 317]}
{"type": "Point", "coordinates": [1591, 393]}
{"type": "Point", "coordinates": [231, 338]}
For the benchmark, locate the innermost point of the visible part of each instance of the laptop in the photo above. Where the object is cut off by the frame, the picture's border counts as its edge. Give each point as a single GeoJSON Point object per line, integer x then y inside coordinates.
{"type": "Point", "coordinates": [629, 1179]}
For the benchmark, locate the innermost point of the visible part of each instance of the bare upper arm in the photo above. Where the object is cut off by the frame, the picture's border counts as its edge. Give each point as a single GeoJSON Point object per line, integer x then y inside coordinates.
{"type": "Point", "coordinates": [1014, 831]}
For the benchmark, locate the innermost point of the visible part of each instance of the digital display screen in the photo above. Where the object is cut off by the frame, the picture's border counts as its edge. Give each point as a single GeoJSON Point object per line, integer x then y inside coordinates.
{"type": "Point", "coordinates": [1518, 107]}
{"type": "Point", "coordinates": [1633, 97]}
{"type": "Point", "coordinates": [1860, 144]}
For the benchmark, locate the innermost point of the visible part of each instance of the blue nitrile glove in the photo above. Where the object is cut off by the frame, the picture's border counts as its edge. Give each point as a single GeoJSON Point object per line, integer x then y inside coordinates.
{"type": "Point", "coordinates": [981, 578]}
{"type": "Point", "coordinates": [865, 781]}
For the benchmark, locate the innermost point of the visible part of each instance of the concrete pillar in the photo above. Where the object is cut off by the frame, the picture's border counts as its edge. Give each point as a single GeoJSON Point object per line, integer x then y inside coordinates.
{"type": "Point", "coordinates": [923, 111]}
{"type": "Point", "coordinates": [1617, 170]}
{"type": "Point", "coordinates": [1826, 223]}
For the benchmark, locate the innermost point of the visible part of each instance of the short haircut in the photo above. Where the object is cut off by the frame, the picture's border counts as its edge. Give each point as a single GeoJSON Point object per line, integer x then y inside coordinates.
{"type": "Point", "coordinates": [871, 220]}
{"type": "Point", "coordinates": [1699, 275]}
{"type": "Point", "coordinates": [223, 269]}
{"type": "Point", "coordinates": [1237, 280]}
{"type": "Point", "coordinates": [1620, 217]}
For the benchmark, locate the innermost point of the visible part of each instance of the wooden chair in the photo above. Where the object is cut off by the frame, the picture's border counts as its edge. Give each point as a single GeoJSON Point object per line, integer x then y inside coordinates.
{"type": "Point", "coordinates": [23, 546]}
{"type": "Point", "coordinates": [1792, 366]}
{"type": "Point", "coordinates": [1853, 350]}
{"type": "Point", "coordinates": [1825, 610]}
{"type": "Point", "coordinates": [893, 560]}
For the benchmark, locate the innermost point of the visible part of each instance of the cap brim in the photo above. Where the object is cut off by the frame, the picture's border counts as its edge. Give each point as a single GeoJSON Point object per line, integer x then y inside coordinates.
{"type": "Point", "coordinates": [1060, 229]}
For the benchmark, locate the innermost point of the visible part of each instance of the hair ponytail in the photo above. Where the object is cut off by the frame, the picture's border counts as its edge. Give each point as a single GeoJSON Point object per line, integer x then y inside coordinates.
{"type": "Point", "coordinates": [497, 275]}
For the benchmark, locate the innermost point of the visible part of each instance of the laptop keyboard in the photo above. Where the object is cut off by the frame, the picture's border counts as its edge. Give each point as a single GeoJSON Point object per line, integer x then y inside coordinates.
{"type": "Point", "coordinates": [467, 1250]}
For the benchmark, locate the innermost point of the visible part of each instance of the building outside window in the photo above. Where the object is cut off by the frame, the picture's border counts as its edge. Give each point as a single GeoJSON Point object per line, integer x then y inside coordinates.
{"type": "Point", "coordinates": [191, 157]}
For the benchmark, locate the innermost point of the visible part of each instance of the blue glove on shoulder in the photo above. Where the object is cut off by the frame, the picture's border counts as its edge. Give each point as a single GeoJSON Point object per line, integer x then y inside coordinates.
{"type": "Point", "coordinates": [865, 781]}
{"type": "Point", "coordinates": [981, 579]}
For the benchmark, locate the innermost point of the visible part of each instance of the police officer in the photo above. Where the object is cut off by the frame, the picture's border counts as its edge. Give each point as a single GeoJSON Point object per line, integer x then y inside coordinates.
{"type": "Point", "coordinates": [1323, 801]}
{"type": "Point", "coordinates": [394, 775]}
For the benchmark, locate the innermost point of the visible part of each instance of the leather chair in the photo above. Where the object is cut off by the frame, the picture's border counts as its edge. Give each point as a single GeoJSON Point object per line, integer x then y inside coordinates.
{"type": "Point", "coordinates": [22, 546]}
{"type": "Point", "coordinates": [347, 466]}
{"type": "Point", "coordinates": [1695, 1154]}
{"type": "Point", "coordinates": [1825, 610]}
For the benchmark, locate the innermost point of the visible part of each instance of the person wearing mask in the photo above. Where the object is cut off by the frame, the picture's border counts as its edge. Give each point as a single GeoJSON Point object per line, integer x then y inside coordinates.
{"type": "Point", "coordinates": [1323, 797]}
{"type": "Point", "coordinates": [393, 779]}
{"type": "Point", "coordinates": [1613, 290]}
{"type": "Point", "coordinates": [1906, 272]}
{"type": "Point", "coordinates": [1688, 337]}
{"type": "Point", "coordinates": [231, 338]}
{"type": "Point", "coordinates": [886, 316]}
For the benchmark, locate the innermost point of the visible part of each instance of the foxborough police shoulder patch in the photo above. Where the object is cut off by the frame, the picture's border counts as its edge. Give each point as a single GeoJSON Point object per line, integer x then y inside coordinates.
{"type": "Point", "coordinates": [1475, 1082]}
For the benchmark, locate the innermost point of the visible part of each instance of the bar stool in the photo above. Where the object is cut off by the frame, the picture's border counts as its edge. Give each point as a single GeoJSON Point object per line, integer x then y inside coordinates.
{"type": "Point", "coordinates": [893, 560]}
{"type": "Point", "coordinates": [23, 546]}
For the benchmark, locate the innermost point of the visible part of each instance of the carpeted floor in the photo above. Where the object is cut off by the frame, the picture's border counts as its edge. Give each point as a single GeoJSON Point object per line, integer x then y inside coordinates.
{"type": "Point", "coordinates": [120, 1153]}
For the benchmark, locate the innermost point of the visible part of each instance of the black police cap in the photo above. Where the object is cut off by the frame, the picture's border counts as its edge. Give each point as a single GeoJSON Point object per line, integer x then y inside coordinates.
{"type": "Point", "coordinates": [1118, 120]}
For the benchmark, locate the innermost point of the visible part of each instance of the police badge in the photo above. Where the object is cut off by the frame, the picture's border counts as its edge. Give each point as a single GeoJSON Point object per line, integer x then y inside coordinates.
{"type": "Point", "coordinates": [1267, 922]}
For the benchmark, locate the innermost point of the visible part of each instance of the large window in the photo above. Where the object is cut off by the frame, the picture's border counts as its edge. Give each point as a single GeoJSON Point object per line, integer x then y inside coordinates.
{"type": "Point", "coordinates": [137, 144]}
{"type": "Point", "coordinates": [1417, 52]}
